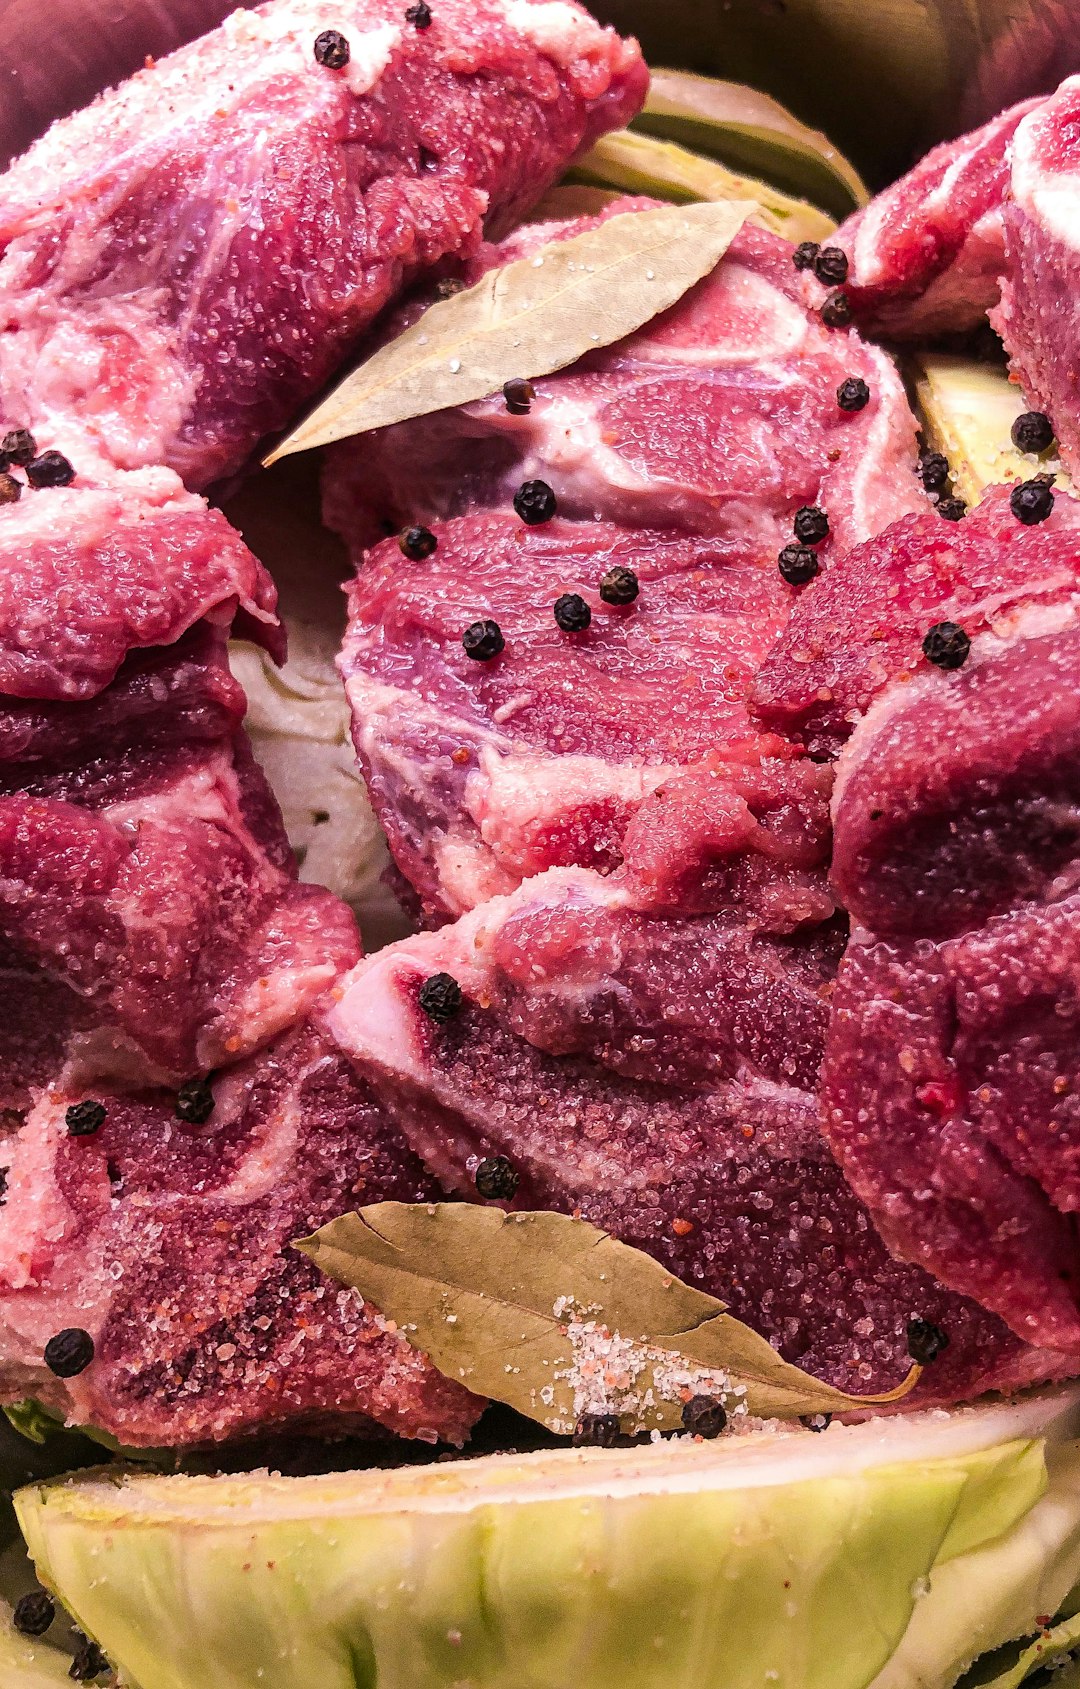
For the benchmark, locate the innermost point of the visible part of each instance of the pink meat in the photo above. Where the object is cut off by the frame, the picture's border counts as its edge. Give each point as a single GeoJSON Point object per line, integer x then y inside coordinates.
{"type": "Point", "coordinates": [630, 742]}
{"type": "Point", "coordinates": [188, 259]}
{"type": "Point", "coordinates": [170, 1244]}
{"type": "Point", "coordinates": [719, 417]}
{"type": "Point", "coordinates": [1038, 317]}
{"type": "Point", "coordinates": [927, 254]}
{"type": "Point", "coordinates": [656, 1076]}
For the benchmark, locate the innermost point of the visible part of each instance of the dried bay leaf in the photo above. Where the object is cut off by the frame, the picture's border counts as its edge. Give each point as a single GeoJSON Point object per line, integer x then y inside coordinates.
{"type": "Point", "coordinates": [528, 318]}
{"type": "Point", "coordinates": [641, 164]}
{"type": "Point", "coordinates": [527, 1307]}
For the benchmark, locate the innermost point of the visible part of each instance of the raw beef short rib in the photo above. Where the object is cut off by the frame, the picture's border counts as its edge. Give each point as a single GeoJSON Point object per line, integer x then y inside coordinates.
{"type": "Point", "coordinates": [187, 260]}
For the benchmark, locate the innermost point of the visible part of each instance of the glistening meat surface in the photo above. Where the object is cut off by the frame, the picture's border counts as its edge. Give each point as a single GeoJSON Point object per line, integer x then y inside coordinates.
{"type": "Point", "coordinates": [188, 259]}
{"type": "Point", "coordinates": [656, 1076]}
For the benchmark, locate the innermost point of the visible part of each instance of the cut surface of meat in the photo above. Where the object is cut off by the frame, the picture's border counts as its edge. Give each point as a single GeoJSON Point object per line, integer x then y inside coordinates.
{"type": "Point", "coordinates": [950, 1078]}
{"type": "Point", "coordinates": [169, 1243]}
{"type": "Point", "coordinates": [628, 742]}
{"type": "Point", "coordinates": [861, 625]}
{"type": "Point", "coordinates": [656, 1077]}
{"type": "Point", "coordinates": [1038, 317]}
{"type": "Point", "coordinates": [719, 417]}
{"type": "Point", "coordinates": [188, 259]}
{"type": "Point", "coordinates": [927, 254]}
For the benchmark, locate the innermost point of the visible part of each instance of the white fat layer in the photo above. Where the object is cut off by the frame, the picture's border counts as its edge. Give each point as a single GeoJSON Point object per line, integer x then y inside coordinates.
{"type": "Point", "coordinates": [1049, 197]}
{"type": "Point", "coordinates": [564, 33]}
{"type": "Point", "coordinates": [760, 1459]}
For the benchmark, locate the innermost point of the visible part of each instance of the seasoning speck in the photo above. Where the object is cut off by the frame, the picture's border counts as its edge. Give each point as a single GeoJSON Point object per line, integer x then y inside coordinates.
{"type": "Point", "coordinates": [195, 1102]}
{"type": "Point", "coordinates": [34, 1613]}
{"type": "Point", "coordinates": [925, 1341]}
{"type": "Point", "coordinates": [10, 489]}
{"type": "Point", "coordinates": [496, 1179]}
{"type": "Point", "coordinates": [596, 1430]}
{"type": "Point", "coordinates": [483, 640]}
{"type": "Point", "coordinates": [572, 613]}
{"type": "Point", "coordinates": [69, 1352]}
{"type": "Point", "coordinates": [535, 503]}
{"type": "Point", "coordinates": [836, 311]}
{"type": "Point", "coordinates": [805, 255]}
{"type": "Point", "coordinates": [811, 525]}
{"type": "Point", "coordinates": [946, 645]}
{"type": "Point", "coordinates": [19, 446]}
{"type": "Point", "coordinates": [440, 997]}
{"type": "Point", "coordinates": [4, 1171]}
{"type": "Point", "coordinates": [419, 15]}
{"type": "Point", "coordinates": [798, 564]}
{"type": "Point", "coordinates": [853, 394]}
{"type": "Point", "coordinates": [1032, 432]}
{"type": "Point", "coordinates": [815, 1421]}
{"type": "Point", "coordinates": [89, 1662]}
{"type": "Point", "coordinates": [952, 509]}
{"type": "Point", "coordinates": [51, 469]}
{"type": "Point", "coordinates": [418, 543]}
{"type": "Point", "coordinates": [332, 49]}
{"type": "Point", "coordinates": [619, 586]}
{"type": "Point", "coordinates": [1032, 501]}
{"type": "Point", "coordinates": [831, 266]}
{"type": "Point", "coordinates": [704, 1416]}
{"type": "Point", "coordinates": [519, 395]}
{"type": "Point", "coordinates": [84, 1119]}
{"type": "Point", "coordinates": [934, 471]}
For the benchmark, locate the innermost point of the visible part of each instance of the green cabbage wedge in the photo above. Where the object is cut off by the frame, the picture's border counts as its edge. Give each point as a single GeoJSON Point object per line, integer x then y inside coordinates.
{"type": "Point", "coordinates": [890, 1554]}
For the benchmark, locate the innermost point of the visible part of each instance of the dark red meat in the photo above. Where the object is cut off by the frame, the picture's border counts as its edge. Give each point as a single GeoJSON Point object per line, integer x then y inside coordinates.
{"type": "Point", "coordinates": [188, 259]}
{"type": "Point", "coordinates": [656, 1076]}
{"type": "Point", "coordinates": [170, 1244]}
{"type": "Point", "coordinates": [927, 254]}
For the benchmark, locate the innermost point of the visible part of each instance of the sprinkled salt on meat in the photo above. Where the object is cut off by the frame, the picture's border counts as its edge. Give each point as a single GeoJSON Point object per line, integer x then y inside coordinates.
{"type": "Point", "coordinates": [927, 254]}
{"type": "Point", "coordinates": [629, 742]}
{"type": "Point", "coordinates": [188, 259]}
{"type": "Point", "coordinates": [656, 1077]}
{"type": "Point", "coordinates": [720, 416]}
{"type": "Point", "coordinates": [168, 1243]}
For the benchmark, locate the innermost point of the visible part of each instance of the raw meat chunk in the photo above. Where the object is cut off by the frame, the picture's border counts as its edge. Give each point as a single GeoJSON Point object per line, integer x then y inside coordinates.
{"type": "Point", "coordinates": [188, 259]}
{"type": "Point", "coordinates": [170, 1244]}
{"type": "Point", "coordinates": [927, 254]}
{"type": "Point", "coordinates": [656, 1076]}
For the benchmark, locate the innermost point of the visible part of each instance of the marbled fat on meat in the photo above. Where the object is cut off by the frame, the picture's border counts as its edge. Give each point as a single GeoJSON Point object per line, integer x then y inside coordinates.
{"type": "Point", "coordinates": [188, 259]}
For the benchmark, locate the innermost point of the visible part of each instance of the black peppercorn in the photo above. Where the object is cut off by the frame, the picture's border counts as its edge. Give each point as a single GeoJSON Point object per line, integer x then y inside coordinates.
{"type": "Point", "coordinates": [440, 997]}
{"type": "Point", "coordinates": [853, 394]}
{"type": "Point", "coordinates": [798, 564]}
{"type": "Point", "coordinates": [831, 266]}
{"type": "Point", "coordinates": [704, 1416]}
{"type": "Point", "coordinates": [51, 469]}
{"type": "Point", "coordinates": [836, 311]}
{"type": "Point", "coordinates": [572, 613]}
{"type": "Point", "coordinates": [332, 49]}
{"type": "Point", "coordinates": [10, 489]}
{"type": "Point", "coordinates": [89, 1662]}
{"type": "Point", "coordinates": [805, 255]}
{"type": "Point", "coordinates": [1032, 501]}
{"type": "Point", "coordinates": [534, 502]}
{"type": "Point", "coordinates": [496, 1179]}
{"type": "Point", "coordinates": [419, 15]}
{"type": "Point", "coordinates": [815, 1421]}
{"type": "Point", "coordinates": [934, 471]}
{"type": "Point", "coordinates": [811, 525]}
{"type": "Point", "coordinates": [597, 1430]}
{"type": "Point", "coordinates": [619, 586]}
{"type": "Point", "coordinates": [19, 446]}
{"type": "Point", "coordinates": [194, 1102]}
{"type": "Point", "coordinates": [1032, 432]}
{"type": "Point", "coordinates": [34, 1613]}
{"type": "Point", "coordinates": [925, 1342]}
{"type": "Point", "coordinates": [952, 509]}
{"type": "Point", "coordinates": [519, 395]}
{"type": "Point", "coordinates": [483, 640]}
{"type": "Point", "coordinates": [84, 1119]}
{"type": "Point", "coordinates": [69, 1352]}
{"type": "Point", "coordinates": [946, 645]}
{"type": "Point", "coordinates": [4, 1171]}
{"type": "Point", "coordinates": [418, 543]}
